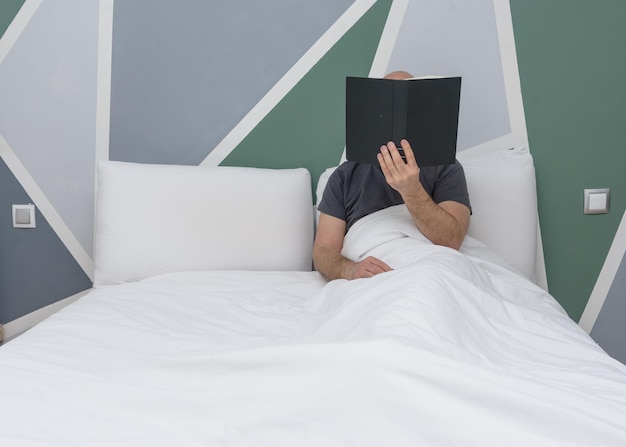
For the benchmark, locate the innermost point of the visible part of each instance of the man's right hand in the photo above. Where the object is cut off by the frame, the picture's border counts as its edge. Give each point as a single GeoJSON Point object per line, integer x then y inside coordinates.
{"type": "Point", "coordinates": [367, 268]}
{"type": "Point", "coordinates": [327, 257]}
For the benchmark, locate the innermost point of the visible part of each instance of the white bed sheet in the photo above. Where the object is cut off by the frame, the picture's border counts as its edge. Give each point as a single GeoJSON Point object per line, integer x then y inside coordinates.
{"type": "Point", "coordinates": [449, 349]}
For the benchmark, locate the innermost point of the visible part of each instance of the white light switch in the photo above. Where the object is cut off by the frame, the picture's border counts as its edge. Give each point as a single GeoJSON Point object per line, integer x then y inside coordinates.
{"type": "Point", "coordinates": [597, 201]}
{"type": "Point", "coordinates": [24, 216]}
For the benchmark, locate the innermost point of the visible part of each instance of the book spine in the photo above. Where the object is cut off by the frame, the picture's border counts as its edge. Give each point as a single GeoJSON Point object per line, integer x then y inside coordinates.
{"type": "Point", "coordinates": [400, 111]}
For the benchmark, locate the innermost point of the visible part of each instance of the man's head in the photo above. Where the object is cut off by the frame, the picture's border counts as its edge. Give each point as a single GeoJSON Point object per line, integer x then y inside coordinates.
{"type": "Point", "coordinates": [398, 75]}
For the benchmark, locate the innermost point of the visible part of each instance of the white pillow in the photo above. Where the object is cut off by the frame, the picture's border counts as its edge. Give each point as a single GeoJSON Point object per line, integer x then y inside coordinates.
{"type": "Point", "coordinates": [503, 195]}
{"type": "Point", "coordinates": [153, 219]}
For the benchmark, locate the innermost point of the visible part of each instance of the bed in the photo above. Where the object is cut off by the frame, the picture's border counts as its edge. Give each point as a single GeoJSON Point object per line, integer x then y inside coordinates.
{"type": "Point", "coordinates": [206, 326]}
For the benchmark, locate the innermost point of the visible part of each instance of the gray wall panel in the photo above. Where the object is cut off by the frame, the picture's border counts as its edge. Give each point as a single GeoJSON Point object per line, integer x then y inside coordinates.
{"type": "Point", "coordinates": [35, 267]}
{"type": "Point", "coordinates": [48, 107]}
{"type": "Point", "coordinates": [185, 73]}
{"type": "Point", "coordinates": [610, 327]}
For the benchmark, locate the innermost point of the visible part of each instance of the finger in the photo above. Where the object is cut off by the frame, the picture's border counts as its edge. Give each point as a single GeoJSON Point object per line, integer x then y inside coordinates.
{"type": "Point", "coordinates": [386, 153]}
{"type": "Point", "coordinates": [381, 266]}
{"type": "Point", "coordinates": [408, 152]}
{"type": "Point", "coordinates": [366, 273]}
{"type": "Point", "coordinates": [384, 160]}
{"type": "Point", "coordinates": [394, 153]}
{"type": "Point", "coordinates": [390, 163]}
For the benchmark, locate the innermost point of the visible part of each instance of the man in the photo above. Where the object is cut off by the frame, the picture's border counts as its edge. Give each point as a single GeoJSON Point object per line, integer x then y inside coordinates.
{"type": "Point", "coordinates": [436, 197]}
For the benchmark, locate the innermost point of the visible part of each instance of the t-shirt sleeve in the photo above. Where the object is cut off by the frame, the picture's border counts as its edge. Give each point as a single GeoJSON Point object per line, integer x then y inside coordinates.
{"type": "Point", "coordinates": [452, 185]}
{"type": "Point", "coordinates": [333, 199]}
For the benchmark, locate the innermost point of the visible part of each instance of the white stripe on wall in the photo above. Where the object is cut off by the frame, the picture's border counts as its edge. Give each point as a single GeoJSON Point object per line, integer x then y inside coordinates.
{"type": "Point", "coordinates": [46, 208]}
{"type": "Point", "coordinates": [11, 36]}
{"type": "Point", "coordinates": [103, 99]}
{"type": "Point", "coordinates": [388, 39]}
{"type": "Point", "coordinates": [17, 26]}
{"type": "Point", "coordinates": [288, 81]}
{"type": "Point", "coordinates": [605, 279]}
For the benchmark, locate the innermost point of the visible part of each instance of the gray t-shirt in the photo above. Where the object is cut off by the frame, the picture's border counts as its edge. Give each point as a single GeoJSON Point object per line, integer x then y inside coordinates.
{"type": "Point", "coordinates": [355, 190]}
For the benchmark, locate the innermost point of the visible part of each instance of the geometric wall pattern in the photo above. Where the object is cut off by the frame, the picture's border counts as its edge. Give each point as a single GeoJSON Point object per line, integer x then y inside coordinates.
{"type": "Point", "coordinates": [575, 113]}
{"type": "Point", "coordinates": [314, 109]}
{"type": "Point", "coordinates": [8, 10]}
{"type": "Point", "coordinates": [185, 73]}
{"type": "Point", "coordinates": [48, 57]}
{"type": "Point", "coordinates": [33, 260]}
{"type": "Point", "coordinates": [604, 314]}
{"type": "Point", "coordinates": [609, 329]}
{"type": "Point", "coordinates": [194, 82]}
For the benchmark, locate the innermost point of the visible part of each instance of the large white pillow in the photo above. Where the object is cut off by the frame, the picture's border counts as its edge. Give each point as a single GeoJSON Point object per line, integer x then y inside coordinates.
{"type": "Point", "coordinates": [153, 219]}
{"type": "Point", "coordinates": [503, 195]}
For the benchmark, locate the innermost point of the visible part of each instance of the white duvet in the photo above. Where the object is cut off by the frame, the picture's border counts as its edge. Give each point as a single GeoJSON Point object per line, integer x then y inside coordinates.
{"type": "Point", "coordinates": [449, 349]}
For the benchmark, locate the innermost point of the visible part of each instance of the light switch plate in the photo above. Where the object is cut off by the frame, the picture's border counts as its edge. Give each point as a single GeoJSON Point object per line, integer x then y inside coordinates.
{"type": "Point", "coordinates": [597, 201]}
{"type": "Point", "coordinates": [24, 216]}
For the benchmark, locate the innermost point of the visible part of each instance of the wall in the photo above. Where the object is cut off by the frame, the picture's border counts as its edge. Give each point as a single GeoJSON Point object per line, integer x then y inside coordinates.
{"type": "Point", "coordinates": [47, 123]}
{"type": "Point", "coordinates": [8, 9]}
{"type": "Point", "coordinates": [609, 329]}
{"type": "Point", "coordinates": [239, 83]}
{"type": "Point", "coordinates": [571, 64]}
{"type": "Point", "coordinates": [148, 81]}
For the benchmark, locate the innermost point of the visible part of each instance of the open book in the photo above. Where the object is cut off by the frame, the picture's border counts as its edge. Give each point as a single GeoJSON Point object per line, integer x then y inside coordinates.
{"type": "Point", "coordinates": [423, 110]}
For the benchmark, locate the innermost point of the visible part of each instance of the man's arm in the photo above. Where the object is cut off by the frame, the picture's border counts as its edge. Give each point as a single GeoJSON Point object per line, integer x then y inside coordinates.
{"type": "Point", "coordinates": [445, 223]}
{"type": "Point", "coordinates": [327, 257]}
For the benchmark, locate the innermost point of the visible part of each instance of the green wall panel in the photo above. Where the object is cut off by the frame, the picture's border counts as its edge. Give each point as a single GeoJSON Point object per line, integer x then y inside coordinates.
{"type": "Point", "coordinates": [306, 128]}
{"type": "Point", "coordinates": [8, 10]}
{"type": "Point", "coordinates": [572, 62]}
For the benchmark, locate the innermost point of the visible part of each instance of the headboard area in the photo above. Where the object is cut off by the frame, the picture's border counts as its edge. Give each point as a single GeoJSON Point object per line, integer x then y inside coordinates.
{"type": "Point", "coordinates": [153, 219]}
{"type": "Point", "coordinates": [503, 194]}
